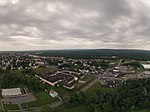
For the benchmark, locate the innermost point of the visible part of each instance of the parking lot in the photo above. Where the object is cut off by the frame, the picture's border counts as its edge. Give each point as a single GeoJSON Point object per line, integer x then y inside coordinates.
{"type": "Point", "coordinates": [19, 100]}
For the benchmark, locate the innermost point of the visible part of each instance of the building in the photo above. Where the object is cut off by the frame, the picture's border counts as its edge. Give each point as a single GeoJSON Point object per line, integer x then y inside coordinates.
{"type": "Point", "coordinates": [65, 78]}
{"type": "Point", "coordinates": [116, 69]}
{"type": "Point", "coordinates": [12, 92]}
{"type": "Point", "coordinates": [146, 66]}
{"type": "Point", "coordinates": [147, 72]}
{"type": "Point", "coordinates": [53, 93]}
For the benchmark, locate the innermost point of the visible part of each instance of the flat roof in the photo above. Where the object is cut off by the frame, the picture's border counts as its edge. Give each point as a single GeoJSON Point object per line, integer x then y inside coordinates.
{"type": "Point", "coordinates": [11, 92]}
{"type": "Point", "coordinates": [146, 66]}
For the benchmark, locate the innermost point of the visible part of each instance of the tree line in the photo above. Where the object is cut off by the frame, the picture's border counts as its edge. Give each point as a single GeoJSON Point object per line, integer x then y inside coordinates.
{"type": "Point", "coordinates": [135, 94]}
{"type": "Point", "coordinates": [25, 79]}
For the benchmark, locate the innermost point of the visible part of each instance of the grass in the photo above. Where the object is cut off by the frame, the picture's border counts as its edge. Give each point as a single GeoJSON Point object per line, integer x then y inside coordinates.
{"type": "Point", "coordinates": [87, 80]}
{"type": "Point", "coordinates": [43, 98]}
{"type": "Point", "coordinates": [145, 110]}
{"type": "Point", "coordinates": [1, 96]}
{"type": "Point", "coordinates": [42, 70]}
{"type": "Point", "coordinates": [17, 72]}
{"type": "Point", "coordinates": [97, 86]}
{"type": "Point", "coordinates": [11, 107]}
{"type": "Point", "coordinates": [61, 90]}
{"type": "Point", "coordinates": [36, 70]}
{"type": "Point", "coordinates": [81, 108]}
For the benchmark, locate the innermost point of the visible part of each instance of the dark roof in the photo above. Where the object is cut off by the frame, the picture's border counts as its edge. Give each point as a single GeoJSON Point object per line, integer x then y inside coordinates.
{"type": "Point", "coordinates": [63, 77]}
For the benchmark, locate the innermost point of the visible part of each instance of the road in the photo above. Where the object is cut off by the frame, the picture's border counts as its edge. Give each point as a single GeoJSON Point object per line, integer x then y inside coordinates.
{"type": "Point", "coordinates": [110, 69]}
{"type": "Point", "coordinates": [119, 63]}
{"type": "Point", "coordinates": [21, 109]}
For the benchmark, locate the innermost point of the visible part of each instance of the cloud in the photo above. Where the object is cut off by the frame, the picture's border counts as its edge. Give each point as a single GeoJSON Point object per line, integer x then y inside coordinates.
{"type": "Point", "coordinates": [77, 24]}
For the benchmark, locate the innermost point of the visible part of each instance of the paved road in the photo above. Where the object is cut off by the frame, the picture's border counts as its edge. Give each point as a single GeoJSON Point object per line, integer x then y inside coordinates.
{"type": "Point", "coordinates": [110, 69]}
{"type": "Point", "coordinates": [119, 63]}
{"type": "Point", "coordinates": [21, 109]}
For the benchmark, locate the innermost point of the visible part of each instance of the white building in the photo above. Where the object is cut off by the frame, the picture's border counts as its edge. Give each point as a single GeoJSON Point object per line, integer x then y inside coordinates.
{"type": "Point", "coordinates": [146, 66]}
{"type": "Point", "coordinates": [12, 92]}
{"type": "Point", "coordinates": [53, 93]}
{"type": "Point", "coordinates": [147, 72]}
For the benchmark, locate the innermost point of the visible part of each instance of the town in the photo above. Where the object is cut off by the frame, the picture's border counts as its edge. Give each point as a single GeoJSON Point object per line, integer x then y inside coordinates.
{"type": "Point", "coordinates": [58, 77]}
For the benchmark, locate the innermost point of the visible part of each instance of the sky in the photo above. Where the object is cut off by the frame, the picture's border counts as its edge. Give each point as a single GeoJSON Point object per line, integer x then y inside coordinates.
{"type": "Point", "coordinates": [74, 24]}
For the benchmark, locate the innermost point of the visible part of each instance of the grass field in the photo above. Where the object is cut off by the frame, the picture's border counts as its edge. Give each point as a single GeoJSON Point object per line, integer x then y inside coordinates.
{"type": "Point", "coordinates": [1, 96]}
{"type": "Point", "coordinates": [79, 85]}
{"type": "Point", "coordinates": [141, 110]}
{"type": "Point", "coordinates": [61, 90]}
{"type": "Point", "coordinates": [37, 70]}
{"type": "Point", "coordinates": [43, 98]}
{"type": "Point", "coordinates": [11, 107]}
{"type": "Point", "coordinates": [97, 86]}
{"type": "Point", "coordinates": [41, 70]}
{"type": "Point", "coordinates": [81, 108]}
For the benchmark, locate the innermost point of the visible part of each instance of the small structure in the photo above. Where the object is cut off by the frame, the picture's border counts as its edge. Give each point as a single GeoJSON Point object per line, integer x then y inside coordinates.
{"type": "Point", "coordinates": [147, 72]}
{"type": "Point", "coordinates": [146, 66]}
{"type": "Point", "coordinates": [53, 93]}
{"type": "Point", "coordinates": [12, 92]}
{"type": "Point", "coordinates": [116, 69]}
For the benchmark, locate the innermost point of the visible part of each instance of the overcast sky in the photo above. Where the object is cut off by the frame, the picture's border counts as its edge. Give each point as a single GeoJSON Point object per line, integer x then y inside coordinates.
{"type": "Point", "coordinates": [74, 24]}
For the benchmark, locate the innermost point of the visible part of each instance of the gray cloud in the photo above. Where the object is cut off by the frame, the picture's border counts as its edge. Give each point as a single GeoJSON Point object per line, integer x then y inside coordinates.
{"type": "Point", "coordinates": [66, 24]}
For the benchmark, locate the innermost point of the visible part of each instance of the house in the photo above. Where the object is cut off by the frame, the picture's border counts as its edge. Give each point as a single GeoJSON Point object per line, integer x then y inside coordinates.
{"type": "Point", "coordinates": [53, 93]}
{"type": "Point", "coordinates": [12, 92]}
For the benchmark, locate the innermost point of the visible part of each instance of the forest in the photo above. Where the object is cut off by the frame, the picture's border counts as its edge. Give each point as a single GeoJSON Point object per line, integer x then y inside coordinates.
{"type": "Point", "coordinates": [25, 79]}
{"type": "Point", "coordinates": [133, 95]}
{"type": "Point", "coordinates": [96, 53]}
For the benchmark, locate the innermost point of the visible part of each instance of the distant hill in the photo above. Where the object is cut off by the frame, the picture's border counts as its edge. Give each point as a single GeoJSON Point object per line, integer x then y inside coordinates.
{"type": "Point", "coordinates": [97, 53]}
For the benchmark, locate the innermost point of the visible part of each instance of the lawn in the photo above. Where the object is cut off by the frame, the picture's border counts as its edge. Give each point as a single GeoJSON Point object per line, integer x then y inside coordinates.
{"type": "Point", "coordinates": [43, 98]}
{"type": "Point", "coordinates": [81, 108]}
{"type": "Point", "coordinates": [11, 107]}
{"type": "Point", "coordinates": [1, 96]}
{"type": "Point", "coordinates": [61, 90]}
{"type": "Point", "coordinates": [42, 70]}
{"type": "Point", "coordinates": [98, 86]}
{"type": "Point", "coordinates": [17, 72]}
{"type": "Point", "coordinates": [36, 70]}
{"type": "Point", "coordinates": [145, 110]}
{"type": "Point", "coordinates": [87, 79]}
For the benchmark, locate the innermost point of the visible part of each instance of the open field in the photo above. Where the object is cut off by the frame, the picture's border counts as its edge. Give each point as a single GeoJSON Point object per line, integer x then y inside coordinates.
{"type": "Point", "coordinates": [11, 107]}
{"type": "Point", "coordinates": [97, 86]}
{"type": "Point", "coordinates": [81, 108]}
{"type": "Point", "coordinates": [48, 69]}
{"type": "Point", "coordinates": [36, 70]}
{"type": "Point", "coordinates": [87, 79]}
{"type": "Point", "coordinates": [61, 90]}
{"type": "Point", "coordinates": [1, 96]}
{"type": "Point", "coordinates": [43, 98]}
{"type": "Point", "coordinates": [145, 110]}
